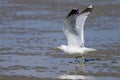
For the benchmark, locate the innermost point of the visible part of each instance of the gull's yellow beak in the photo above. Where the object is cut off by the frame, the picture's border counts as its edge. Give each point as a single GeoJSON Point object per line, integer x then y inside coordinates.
{"type": "Point", "coordinates": [57, 49]}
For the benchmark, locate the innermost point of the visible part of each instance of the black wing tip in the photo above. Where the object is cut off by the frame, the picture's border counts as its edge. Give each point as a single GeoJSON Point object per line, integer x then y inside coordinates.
{"type": "Point", "coordinates": [88, 9]}
{"type": "Point", "coordinates": [74, 11]}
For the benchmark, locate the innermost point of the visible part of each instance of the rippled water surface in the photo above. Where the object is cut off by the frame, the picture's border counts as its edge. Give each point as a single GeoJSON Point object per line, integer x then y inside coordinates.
{"type": "Point", "coordinates": [31, 29]}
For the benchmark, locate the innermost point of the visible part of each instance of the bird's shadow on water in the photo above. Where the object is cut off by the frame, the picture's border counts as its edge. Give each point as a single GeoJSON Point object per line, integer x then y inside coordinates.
{"type": "Point", "coordinates": [86, 60]}
{"type": "Point", "coordinates": [91, 59]}
{"type": "Point", "coordinates": [78, 71]}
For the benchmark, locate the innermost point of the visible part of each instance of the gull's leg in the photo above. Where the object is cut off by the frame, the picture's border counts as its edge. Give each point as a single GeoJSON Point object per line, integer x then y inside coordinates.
{"type": "Point", "coordinates": [83, 59]}
{"type": "Point", "coordinates": [77, 58]}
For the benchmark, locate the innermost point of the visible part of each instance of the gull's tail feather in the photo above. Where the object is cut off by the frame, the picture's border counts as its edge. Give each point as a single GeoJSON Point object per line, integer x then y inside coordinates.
{"type": "Point", "coordinates": [86, 50]}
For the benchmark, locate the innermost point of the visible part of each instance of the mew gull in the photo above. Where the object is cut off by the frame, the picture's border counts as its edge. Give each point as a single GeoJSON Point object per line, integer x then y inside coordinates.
{"type": "Point", "coordinates": [74, 32]}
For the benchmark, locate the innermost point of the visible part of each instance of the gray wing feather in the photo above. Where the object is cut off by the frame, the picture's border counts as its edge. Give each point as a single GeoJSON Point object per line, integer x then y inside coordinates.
{"type": "Point", "coordinates": [80, 21]}
{"type": "Point", "coordinates": [74, 28]}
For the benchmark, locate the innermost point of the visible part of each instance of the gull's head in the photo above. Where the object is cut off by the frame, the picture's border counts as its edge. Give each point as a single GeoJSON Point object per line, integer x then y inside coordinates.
{"type": "Point", "coordinates": [73, 12]}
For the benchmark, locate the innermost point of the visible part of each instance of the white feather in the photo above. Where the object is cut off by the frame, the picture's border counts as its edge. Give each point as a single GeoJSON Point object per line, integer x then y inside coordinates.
{"type": "Point", "coordinates": [74, 32]}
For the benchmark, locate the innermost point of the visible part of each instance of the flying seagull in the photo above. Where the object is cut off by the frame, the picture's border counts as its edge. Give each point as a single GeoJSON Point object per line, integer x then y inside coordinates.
{"type": "Point", "coordinates": [74, 32]}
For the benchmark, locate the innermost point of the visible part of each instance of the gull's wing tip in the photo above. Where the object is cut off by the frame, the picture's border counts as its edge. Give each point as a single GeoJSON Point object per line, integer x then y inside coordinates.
{"type": "Point", "coordinates": [90, 6]}
{"type": "Point", "coordinates": [88, 9]}
{"type": "Point", "coordinates": [74, 11]}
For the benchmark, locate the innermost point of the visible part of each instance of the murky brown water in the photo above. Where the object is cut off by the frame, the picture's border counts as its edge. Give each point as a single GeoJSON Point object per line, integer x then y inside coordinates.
{"type": "Point", "coordinates": [30, 29]}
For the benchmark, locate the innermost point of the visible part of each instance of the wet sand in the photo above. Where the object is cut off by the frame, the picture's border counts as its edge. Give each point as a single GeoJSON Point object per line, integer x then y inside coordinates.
{"type": "Point", "coordinates": [30, 30]}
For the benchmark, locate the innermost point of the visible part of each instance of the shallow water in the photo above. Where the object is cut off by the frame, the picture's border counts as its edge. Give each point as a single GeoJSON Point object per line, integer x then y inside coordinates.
{"type": "Point", "coordinates": [30, 30]}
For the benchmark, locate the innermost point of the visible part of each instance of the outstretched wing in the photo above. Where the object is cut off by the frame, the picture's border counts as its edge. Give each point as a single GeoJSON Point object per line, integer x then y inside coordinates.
{"type": "Point", "coordinates": [70, 29]}
{"type": "Point", "coordinates": [73, 27]}
{"type": "Point", "coordinates": [80, 21]}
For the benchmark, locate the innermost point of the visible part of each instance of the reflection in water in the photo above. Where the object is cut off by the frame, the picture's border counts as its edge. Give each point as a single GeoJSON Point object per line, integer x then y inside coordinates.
{"type": "Point", "coordinates": [78, 69]}
{"type": "Point", "coordinates": [29, 29]}
{"type": "Point", "coordinates": [76, 77]}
